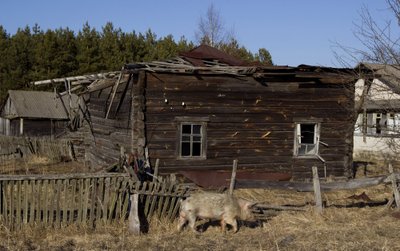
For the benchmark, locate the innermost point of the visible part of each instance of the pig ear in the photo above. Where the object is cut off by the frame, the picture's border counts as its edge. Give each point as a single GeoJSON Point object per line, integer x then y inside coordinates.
{"type": "Point", "coordinates": [250, 204]}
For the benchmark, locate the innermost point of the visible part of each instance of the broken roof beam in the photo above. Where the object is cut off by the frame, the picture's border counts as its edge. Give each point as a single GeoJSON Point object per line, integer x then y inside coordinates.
{"type": "Point", "coordinates": [90, 77]}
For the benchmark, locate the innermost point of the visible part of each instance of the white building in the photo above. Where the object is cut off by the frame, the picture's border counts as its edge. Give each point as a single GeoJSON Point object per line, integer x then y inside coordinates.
{"type": "Point", "coordinates": [377, 130]}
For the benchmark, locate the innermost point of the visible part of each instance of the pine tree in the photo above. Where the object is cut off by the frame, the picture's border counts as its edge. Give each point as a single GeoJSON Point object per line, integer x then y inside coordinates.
{"type": "Point", "coordinates": [89, 57]}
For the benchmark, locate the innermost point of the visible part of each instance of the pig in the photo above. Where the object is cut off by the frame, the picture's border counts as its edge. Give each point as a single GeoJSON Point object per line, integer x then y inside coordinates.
{"type": "Point", "coordinates": [214, 206]}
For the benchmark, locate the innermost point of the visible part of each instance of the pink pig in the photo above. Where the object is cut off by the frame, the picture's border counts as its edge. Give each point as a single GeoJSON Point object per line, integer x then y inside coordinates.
{"type": "Point", "coordinates": [215, 206]}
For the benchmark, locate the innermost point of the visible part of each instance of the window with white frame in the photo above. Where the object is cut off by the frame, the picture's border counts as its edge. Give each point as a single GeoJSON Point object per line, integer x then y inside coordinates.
{"type": "Point", "coordinates": [192, 138]}
{"type": "Point", "coordinates": [307, 139]}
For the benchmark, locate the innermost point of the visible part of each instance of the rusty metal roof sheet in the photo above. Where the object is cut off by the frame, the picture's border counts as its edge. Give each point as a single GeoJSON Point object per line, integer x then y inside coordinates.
{"type": "Point", "coordinates": [204, 52]}
{"type": "Point", "coordinates": [37, 104]}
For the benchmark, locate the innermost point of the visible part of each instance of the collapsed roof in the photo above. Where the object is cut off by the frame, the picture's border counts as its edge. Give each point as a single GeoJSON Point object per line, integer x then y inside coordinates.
{"type": "Point", "coordinates": [207, 60]}
{"type": "Point", "coordinates": [24, 104]}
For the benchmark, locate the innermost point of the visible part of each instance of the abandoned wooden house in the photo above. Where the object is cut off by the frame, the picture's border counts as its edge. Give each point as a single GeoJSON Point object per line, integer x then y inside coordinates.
{"type": "Point", "coordinates": [36, 113]}
{"type": "Point", "coordinates": [201, 110]}
{"type": "Point", "coordinates": [377, 129]}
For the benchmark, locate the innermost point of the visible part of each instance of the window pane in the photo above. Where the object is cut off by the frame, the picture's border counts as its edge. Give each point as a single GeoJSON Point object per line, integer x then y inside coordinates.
{"type": "Point", "coordinates": [196, 129]}
{"type": "Point", "coordinates": [310, 149]}
{"type": "Point", "coordinates": [197, 138]}
{"type": "Point", "coordinates": [196, 149]}
{"type": "Point", "coordinates": [186, 138]}
{"type": "Point", "coordinates": [302, 150]}
{"type": "Point", "coordinates": [186, 129]}
{"type": "Point", "coordinates": [185, 149]}
{"type": "Point", "coordinates": [307, 133]}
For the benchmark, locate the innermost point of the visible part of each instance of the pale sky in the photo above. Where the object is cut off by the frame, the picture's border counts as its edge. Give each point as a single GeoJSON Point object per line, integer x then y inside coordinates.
{"type": "Point", "coordinates": [295, 32]}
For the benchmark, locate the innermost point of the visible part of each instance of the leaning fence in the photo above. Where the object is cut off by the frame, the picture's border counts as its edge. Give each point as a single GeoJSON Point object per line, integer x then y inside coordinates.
{"type": "Point", "coordinates": [83, 199]}
{"type": "Point", "coordinates": [12, 148]}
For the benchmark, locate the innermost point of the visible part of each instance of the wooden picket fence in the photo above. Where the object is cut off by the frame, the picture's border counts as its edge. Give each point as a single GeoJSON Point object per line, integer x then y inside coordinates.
{"type": "Point", "coordinates": [14, 148]}
{"type": "Point", "coordinates": [83, 199]}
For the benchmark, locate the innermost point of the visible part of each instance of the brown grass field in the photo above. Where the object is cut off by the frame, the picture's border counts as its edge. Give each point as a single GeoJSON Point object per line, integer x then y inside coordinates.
{"type": "Point", "coordinates": [345, 224]}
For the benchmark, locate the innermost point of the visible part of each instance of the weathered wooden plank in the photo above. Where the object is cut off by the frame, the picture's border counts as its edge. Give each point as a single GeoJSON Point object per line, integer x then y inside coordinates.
{"type": "Point", "coordinates": [154, 199]}
{"type": "Point", "coordinates": [150, 189]}
{"type": "Point", "coordinates": [161, 199]}
{"type": "Point", "coordinates": [6, 202]}
{"type": "Point", "coordinates": [308, 187]}
{"type": "Point", "coordinates": [92, 206]}
{"type": "Point", "coordinates": [72, 205]}
{"type": "Point", "coordinates": [113, 199]}
{"type": "Point", "coordinates": [80, 198]}
{"type": "Point", "coordinates": [175, 210]}
{"type": "Point", "coordinates": [120, 198]}
{"type": "Point", "coordinates": [233, 176]}
{"type": "Point", "coordinates": [52, 201]}
{"type": "Point", "coordinates": [46, 202]}
{"type": "Point", "coordinates": [125, 201]}
{"type": "Point", "coordinates": [64, 202]}
{"type": "Point", "coordinates": [167, 201]}
{"type": "Point", "coordinates": [58, 203]}
{"type": "Point", "coordinates": [133, 219]}
{"type": "Point", "coordinates": [317, 190]}
{"type": "Point", "coordinates": [18, 205]}
{"type": "Point", "coordinates": [106, 201]}
{"type": "Point", "coordinates": [25, 205]}
{"type": "Point", "coordinates": [86, 192]}
{"type": "Point", "coordinates": [11, 219]}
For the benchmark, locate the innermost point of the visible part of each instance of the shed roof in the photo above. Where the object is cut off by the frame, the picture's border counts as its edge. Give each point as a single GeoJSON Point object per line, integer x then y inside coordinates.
{"type": "Point", "coordinates": [386, 73]}
{"type": "Point", "coordinates": [37, 104]}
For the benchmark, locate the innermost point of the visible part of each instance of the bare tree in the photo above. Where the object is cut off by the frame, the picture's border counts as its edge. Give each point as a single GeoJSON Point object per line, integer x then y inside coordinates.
{"type": "Point", "coordinates": [381, 40]}
{"type": "Point", "coordinates": [212, 30]}
{"type": "Point", "coordinates": [379, 101]}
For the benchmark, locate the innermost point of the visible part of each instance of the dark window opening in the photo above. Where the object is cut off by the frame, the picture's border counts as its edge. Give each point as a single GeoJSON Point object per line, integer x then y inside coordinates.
{"type": "Point", "coordinates": [191, 140]}
{"type": "Point", "coordinates": [307, 136]}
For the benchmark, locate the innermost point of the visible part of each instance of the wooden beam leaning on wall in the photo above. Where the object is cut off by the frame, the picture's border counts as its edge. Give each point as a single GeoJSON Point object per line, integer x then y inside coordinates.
{"type": "Point", "coordinates": [137, 111]}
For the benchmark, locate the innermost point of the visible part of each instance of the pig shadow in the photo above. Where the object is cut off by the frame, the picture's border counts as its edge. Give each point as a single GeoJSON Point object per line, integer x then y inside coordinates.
{"type": "Point", "coordinates": [216, 223]}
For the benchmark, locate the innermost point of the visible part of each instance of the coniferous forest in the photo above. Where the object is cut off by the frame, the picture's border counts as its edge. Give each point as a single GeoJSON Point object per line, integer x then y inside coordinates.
{"type": "Point", "coordinates": [34, 54]}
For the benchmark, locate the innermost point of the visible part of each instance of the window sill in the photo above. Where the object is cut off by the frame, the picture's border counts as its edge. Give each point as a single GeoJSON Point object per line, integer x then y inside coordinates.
{"type": "Point", "coordinates": [192, 158]}
{"type": "Point", "coordinates": [306, 157]}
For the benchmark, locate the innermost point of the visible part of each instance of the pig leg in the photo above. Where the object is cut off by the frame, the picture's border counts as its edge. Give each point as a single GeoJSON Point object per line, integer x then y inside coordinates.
{"type": "Point", "coordinates": [233, 223]}
{"type": "Point", "coordinates": [182, 221]}
{"type": "Point", "coordinates": [223, 225]}
{"type": "Point", "coordinates": [192, 222]}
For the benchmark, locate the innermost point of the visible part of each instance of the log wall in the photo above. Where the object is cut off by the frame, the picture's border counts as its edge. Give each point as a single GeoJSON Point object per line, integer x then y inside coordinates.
{"type": "Point", "coordinates": [249, 121]}
{"type": "Point", "coordinates": [109, 135]}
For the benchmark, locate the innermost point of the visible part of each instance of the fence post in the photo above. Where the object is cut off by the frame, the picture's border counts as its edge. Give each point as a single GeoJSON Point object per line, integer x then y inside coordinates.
{"type": "Point", "coordinates": [133, 219]}
{"type": "Point", "coordinates": [155, 175]}
{"type": "Point", "coordinates": [394, 186]}
{"type": "Point", "coordinates": [233, 177]}
{"type": "Point", "coordinates": [317, 190]}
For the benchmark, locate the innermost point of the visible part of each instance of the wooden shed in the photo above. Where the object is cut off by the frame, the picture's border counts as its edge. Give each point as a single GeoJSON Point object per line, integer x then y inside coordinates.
{"type": "Point", "coordinates": [36, 113]}
{"type": "Point", "coordinates": [203, 109]}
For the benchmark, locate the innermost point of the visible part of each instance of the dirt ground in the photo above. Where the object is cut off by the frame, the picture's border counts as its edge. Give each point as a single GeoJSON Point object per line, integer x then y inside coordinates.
{"type": "Point", "coordinates": [351, 220]}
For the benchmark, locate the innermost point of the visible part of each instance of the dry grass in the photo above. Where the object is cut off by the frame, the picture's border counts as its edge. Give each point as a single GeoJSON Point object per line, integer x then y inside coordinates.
{"type": "Point", "coordinates": [41, 165]}
{"type": "Point", "coordinates": [342, 226]}
{"type": "Point", "coordinates": [366, 228]}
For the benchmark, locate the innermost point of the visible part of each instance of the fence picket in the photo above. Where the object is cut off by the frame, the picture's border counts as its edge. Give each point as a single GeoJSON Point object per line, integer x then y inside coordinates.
{"type": "Point", "coordinates": [99, 199]}
{"type": "Point", "coordinates": [58, 204]}
{"type": "Point", "coordinates": [18, 206]}
{"type": "Point", "coordinates": [91, 199]}
{"type": "Point", "coordinates": [72, 202]}
{"type": "Point", "coordinates": [46, 202]}
{"type": "Point", "coordinates": [93, 185]}
{"type": "Point", "coordinates": [161, 200]}
{"type": "Point", "coordinates": [105, 205]}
